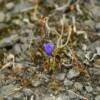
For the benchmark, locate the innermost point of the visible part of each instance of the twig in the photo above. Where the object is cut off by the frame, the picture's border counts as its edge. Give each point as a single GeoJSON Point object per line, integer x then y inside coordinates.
{"type": "Point", "coordinates": [5, 66]}
{"type": "Point", "coordinates": [67, 65]}
{"type": "Point", "coordinates": [11, 56]}
{"type": "Point", "coordinates": [78, 9]}
{"type": "Point", "coordinates": [15, 90]}
{"type": "Point", "coordinates": [74, 25]}
{"type": "Point", "coordinates": [68, 38]}
{"type": "Point", "coordinates": [80, 96]}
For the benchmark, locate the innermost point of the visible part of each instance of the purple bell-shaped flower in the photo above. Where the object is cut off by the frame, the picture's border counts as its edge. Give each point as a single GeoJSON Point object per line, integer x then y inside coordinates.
{"type": "Point", "coordinates": [48, 47]}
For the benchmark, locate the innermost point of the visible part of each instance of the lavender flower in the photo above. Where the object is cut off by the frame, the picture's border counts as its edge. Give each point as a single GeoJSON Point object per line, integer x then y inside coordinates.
{"type": "Point", "coordinates": [48, 47]}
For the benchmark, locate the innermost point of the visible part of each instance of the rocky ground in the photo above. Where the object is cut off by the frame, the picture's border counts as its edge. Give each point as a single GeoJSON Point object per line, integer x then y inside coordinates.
{"type": "Point", "coordinates": [25, 25]}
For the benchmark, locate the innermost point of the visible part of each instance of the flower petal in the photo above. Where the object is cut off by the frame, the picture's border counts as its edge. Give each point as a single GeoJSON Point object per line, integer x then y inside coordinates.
{"type": "Point", "coordinates": [48, 47]}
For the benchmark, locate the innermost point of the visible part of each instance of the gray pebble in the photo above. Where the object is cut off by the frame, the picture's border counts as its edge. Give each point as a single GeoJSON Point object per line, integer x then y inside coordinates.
{"type": "Point", "coordinates": [95, 10]}
{"type": "Point", "coordinates": [27, 92]}
{"type": "Point", "coordinates": [8, 17]}
{"type": "Point", "coordinates": [36, 83]}
{"type": "Point", "coordinates": [9, 41]}
{"type": "Point", "coordinates": [97, 97]}
{"type": "Point", "coordinates": [98, 26]}
{"type": "Point", "coordinates": [10, 5]}
{"type": "Point", "coordinates": [98, 51]}
{"type": "Point", "coordinates": [49, 98]}
{"type": "Point", "coordinates": [98, 89]}
{"type": "Point", "coordinates": [18, 97]}
{"type": "Point", "coordinates": [67, 82]}
{"type": "Point", "coordinates": [94, 71]}
{"type": "Point", "coordinates": [89, 23]}
{"type": "Point", "coordinates": [5, 90]}
{"type": "Point", "coordinates": [17, 49]}
{"type": "Point", "coordinates": [89, 88]}
{"type": "Point", "coordinates": [22, 7]}
{"type": "Point", "coordinates": [73, 73]}
{"type": "Point", "coordinates": [60, 76]}
{"type": "Point", "coordinates": [8, 98]}
{"type": "Point", "coordinates": [72, 95]}
{"type": "Point", "coordinates": [17, 22]}
{"type": "Point", "coordinates": [78, 86]}
{"type": "Point", "coordinates": [2, 16]}
{"type": "Point", "coordinates": [3, 26]}
{"type": "Point", "coordinates": [63, 97]}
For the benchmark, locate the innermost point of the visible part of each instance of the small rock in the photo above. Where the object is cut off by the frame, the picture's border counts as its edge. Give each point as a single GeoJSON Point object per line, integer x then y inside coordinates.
{"type": "Point", "coordinates": [73, 73]}
{"type": "Point", "coordinates": [94, 71]}
{"type": "Point", "coordinates": [97, 63]}
{"type": "Point", "coordinates": [27, 92]}
{"type": "Point", "coordinates": [17, 49]}
{"type": "Point", "coordinates": [8, 98]}
{"type": "Point", "coordinates": [89, 23]}
{"type": "Point", "coordinates": [22, 7]}
{"type": "Point", "coordinates": [5, 90]}
{"type": "Point", "coordinates": [98, 50]}
{"type": "Point", "coordinates": [78, 86]}
{"type": "Point", "coordinates": [49, 98]}
{"type": "Point", "coordinates": [17, 22]}
{"type": "Point", "coordinates": [24, 47]}
{"type": "Point", "coordinates": [95, 10]}
{"type": "Point", "coordinates": [89, 88]}
{"type": "Point", "coordinates": [72, 95]}
{"type": "Point", "coordinates": [18, 97]}
{"type": "Point", "coordinates": [10, 5]}
{"type": "Point", "coordinates": [98, 27]}
{"type": "Point", "coordinates": [60, 76]}
{"type": "Point", "coordinates": [89, 55]}
{"type": "Point", "coordinates": [97, 97]}
{"type": "Point", "coordinates": [36, 83]}
{"type": "Point", "coordinates": [8, 17]}
{"type": "Point", "coordinates": [3, 26]}
{"type": "Point", "coordinates": [63, 97]}
{"type": "Point", "coordinates": [67, 82]}
{"type": "Point", "coordinates": [9, 41]}
{"type": "Point", "coordinates": [2, 16]}
{"type": "Point", "coordinates": [98, 89]}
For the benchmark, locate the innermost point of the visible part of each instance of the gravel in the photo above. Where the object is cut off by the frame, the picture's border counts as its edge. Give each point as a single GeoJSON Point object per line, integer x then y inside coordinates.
{"type": "Point", "coordinates": [8, 17]}
{"type": "Point", "coordinates": [36, 83]}
{"type": "Point", "coordinates": [63, 97]}
{"type": "Point", "coordinates": [25, 25]}
{"type": "Point", "coordinates": [8, 98]}
{"type": "Point", "coordinates": [18, 97]}
{"type": "Point", "coordinates": [67, 82]}
{"type": "Point", "coordinates": [73, 73]}
{"type": "Point", "coordinates": [89, 88]}
{"type": "Point", "coordinates": [10, 5]}
{"type": "Point", "coordinates": [97, 97]}
{"type": "Point", "coordinates": [22, 7]}
{"type": "Point", "coordinates": [3, 26]}
{"type": "Point", "coordinates": [9, 41]}
{"type": "Point", "coordinates": [17, 49]}
{"type": "Point", "coordinates": [27, 92]}
{"type": "Point", "coordinates": [2, 16]}
{"type": "Point", "coordinates": [72, 95]}
{"type": "Point", "coordinates": [94, 71]}
{"type": "Point", "coordinates": [78, 86]}
{"type": "Point", "coordinates": [8, 89]}
{"type": "Point", "coordinates": [60, 76]}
